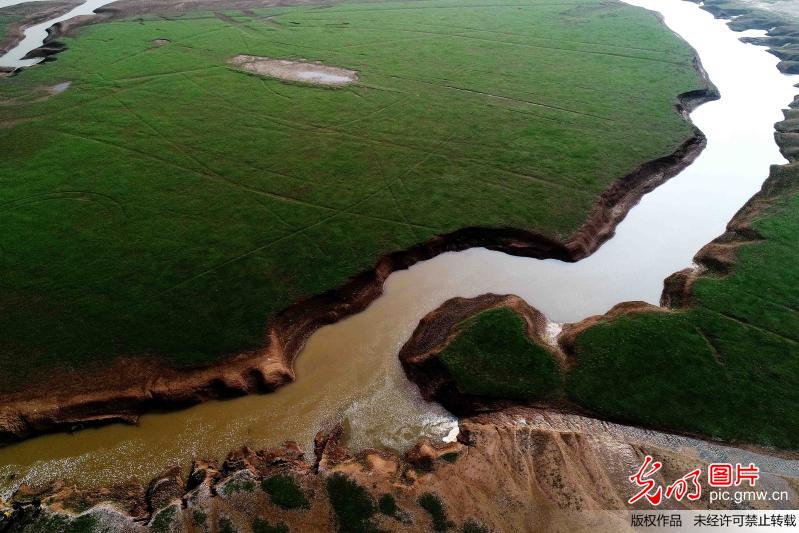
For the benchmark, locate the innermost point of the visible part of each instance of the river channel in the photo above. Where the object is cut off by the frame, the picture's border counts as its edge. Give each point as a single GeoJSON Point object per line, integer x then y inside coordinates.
{"type": "Point", "coordinates": [350, 369]}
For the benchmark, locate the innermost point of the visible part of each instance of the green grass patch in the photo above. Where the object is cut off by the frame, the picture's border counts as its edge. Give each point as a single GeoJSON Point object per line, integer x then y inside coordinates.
{"type": "Point", "coordinates": [728, 366]}
{"type": "Point", "coordinates": [432, 504]}
{"type": "Point", "coordinates": [163, 520]}
{"type": "Point", "coordinates": [284, 492]}
{"type": "Point", "coordinates": [226, 526]}
{"type": "Point", "coordinates": [352, 504]}
{"type": "Point", "coordinates": [387, 505]}
{"type": "Point", "coordinates": [62, 524]}
{"type": "Point", "coordinates": [473, 526]}
{"type": "Point", "coordinates": [166, 204]}
{"type": "Point", "coordinates": [236, 486]}
{"type": "Point", "coordinates": [260, 525]}
{"type": "Point", "coordinates": [493, 356]}
{"type": "Point", "coordinates": [450, 457]}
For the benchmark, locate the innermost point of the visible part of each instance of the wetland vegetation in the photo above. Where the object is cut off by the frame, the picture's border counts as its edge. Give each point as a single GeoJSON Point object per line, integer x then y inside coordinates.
{"type": "Point", "coordinates": [168, 204]}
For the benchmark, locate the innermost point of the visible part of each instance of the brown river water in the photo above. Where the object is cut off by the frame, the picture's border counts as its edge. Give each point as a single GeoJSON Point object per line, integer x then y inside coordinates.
{"type": "Point", "coordinates": [350, 370]}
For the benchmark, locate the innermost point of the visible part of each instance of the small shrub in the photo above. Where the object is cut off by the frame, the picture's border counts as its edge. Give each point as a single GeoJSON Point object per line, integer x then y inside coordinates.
{"type": "Point", "coordinates": [262, 526]}
{"type": "Point", "coordinates": [432, 504]}
{"type": "Point", "coordinates": [387, 505]}
{"type": "Point", "coordinates": [226, 526]}
{"type": "Point", "coordinates": [62, 524]}
{"type": "Point", "coordinates": [450, 457]}
{"type": "Point", "coordinates": [163, 520]}
{"type": "Point", "coordinates": [284, 492]}
{"type": "Point", "coordinates": [473, 526]}
{"type": "Point", "coordinates": [199, 518]}
{"type": "Point", "coordinates": [234, 486]}
{"type": "Point", "coordinates": [351, 503]}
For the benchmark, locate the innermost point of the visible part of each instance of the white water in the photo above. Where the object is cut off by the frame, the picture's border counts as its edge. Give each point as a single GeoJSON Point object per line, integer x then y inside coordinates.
{"type": "Point", "coordinates": [35, 35]}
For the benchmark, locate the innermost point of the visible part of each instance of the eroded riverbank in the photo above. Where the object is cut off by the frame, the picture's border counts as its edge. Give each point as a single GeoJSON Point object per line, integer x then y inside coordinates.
{"type": "Point", "coordinates": [415, 294]}
{"type": "Point", "coordinates": [519, 469]}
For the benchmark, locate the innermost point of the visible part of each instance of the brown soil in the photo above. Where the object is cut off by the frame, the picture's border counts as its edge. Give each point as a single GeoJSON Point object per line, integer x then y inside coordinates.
{"type": "Point", "coordinates": [519, 469]}
{"type": "Point", "coordinates": [128, 388]}
{"type": "Point", "coordinates": [309, 72]}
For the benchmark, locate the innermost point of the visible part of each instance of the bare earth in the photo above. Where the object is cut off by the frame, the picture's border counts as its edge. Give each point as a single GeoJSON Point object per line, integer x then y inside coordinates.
{"type": "Point", "coordinates": [299, 71]}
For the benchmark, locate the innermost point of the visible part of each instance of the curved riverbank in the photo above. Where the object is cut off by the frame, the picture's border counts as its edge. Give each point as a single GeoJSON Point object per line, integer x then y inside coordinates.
{"type": "Point", "coordinates": [422, 355]}
{"type": "Point", "coordinates": [134, 387]}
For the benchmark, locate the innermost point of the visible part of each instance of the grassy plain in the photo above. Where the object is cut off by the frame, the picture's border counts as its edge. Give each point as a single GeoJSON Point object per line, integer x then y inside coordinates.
{"type": "Point", "coordinates": [492, 356]}
{"type": "Point", "coordinates": [726, 367]}
{"type": "Point", "coordinates": [167, 204]}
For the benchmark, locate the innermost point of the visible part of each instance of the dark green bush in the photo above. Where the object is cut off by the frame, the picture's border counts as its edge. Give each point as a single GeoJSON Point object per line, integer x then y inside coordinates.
{"type": "Point", "coordinates": [387, 505]}
{"type": "Point", "coordinates": [351, 503]}
{"type": "Point", "coordinates": [284, 492]}
{"type": "Point", "coordinates": [432, 504]}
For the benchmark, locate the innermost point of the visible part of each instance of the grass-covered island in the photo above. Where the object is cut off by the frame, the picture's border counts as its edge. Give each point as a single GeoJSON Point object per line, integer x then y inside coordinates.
{"type": "Point", "coordinates": [169, 204]}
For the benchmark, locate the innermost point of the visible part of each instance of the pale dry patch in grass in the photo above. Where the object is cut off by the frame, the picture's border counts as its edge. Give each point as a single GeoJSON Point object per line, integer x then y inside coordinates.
{"type": "Point", "coordinates": [298, 71]}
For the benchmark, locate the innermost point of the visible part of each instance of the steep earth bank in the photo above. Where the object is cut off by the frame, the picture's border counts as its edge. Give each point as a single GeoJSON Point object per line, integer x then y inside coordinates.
{"type": "Point", "coordinates": [518, 469]}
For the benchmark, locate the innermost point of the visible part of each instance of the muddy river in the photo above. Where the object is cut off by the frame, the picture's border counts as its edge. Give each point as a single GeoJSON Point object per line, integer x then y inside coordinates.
{"type": "Point", "coordinates": [350, 370]}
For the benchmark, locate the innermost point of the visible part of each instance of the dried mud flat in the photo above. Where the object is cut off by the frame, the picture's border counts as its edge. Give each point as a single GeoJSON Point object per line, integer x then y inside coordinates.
{"type": "Point", "coordinates": [297, 71]}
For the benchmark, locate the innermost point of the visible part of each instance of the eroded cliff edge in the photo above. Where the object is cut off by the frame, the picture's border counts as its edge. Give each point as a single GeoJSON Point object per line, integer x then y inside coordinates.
{"type": "Point", "coordinates": [519, 469]}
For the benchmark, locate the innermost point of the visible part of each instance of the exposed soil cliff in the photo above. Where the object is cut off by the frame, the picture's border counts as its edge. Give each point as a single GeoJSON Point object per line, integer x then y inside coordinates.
{"type": "Point", "coordinates": [515, 470]}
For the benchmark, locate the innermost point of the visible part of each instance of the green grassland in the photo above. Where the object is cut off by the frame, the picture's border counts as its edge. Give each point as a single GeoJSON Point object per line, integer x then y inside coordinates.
{"type": "Point", "coordinates": [492, 356]}
{"type": "Point", "coordinates": [725, 367]}
{"type": "Point", "coordinates": [167, 204]}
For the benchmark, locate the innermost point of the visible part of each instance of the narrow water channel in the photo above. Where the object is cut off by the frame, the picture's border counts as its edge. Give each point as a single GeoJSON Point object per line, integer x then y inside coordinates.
{"type": "Point", "coordinates": [35, 35]}
{"type": "Point", "coordinates": [350, 369]}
